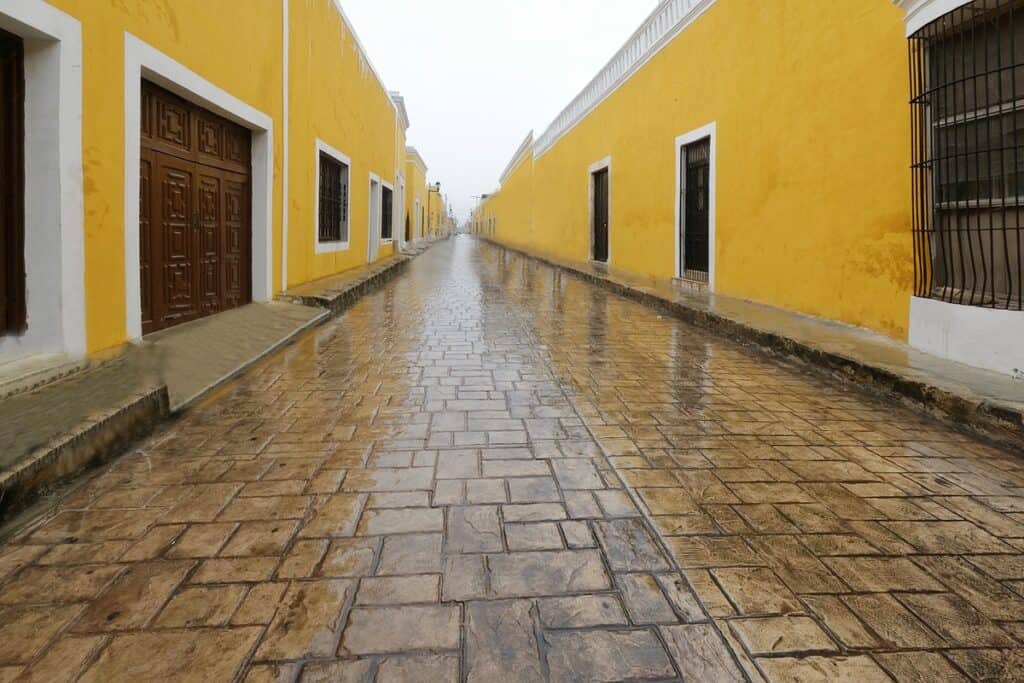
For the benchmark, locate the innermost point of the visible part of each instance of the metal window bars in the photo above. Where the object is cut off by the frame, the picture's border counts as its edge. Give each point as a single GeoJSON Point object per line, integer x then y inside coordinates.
{"type": "Point", "coordinates": [967, 83]}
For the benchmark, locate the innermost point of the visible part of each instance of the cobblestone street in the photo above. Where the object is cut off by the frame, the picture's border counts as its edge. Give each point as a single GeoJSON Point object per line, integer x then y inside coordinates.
{"type": "Point", "coordinates": [490, 471]}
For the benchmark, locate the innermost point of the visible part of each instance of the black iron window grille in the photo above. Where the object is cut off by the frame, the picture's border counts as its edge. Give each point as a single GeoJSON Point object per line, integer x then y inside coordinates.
{"type": "Point", "coordinates": [387, 213]}
{"type": "Point", "coordinates": [333, 219]}
{"type": "Point", "coordinates": [967, 81]}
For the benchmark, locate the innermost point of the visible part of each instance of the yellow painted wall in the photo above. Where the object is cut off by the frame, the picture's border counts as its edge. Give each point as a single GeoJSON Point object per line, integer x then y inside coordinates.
{"type": "Point", "coordinates": [239, 52]}
{"type": "Point", "coordinates": [813, 188]}
{"type": "Point", "coordinates": [416, 184]}
{"type": "Point", "coordinates": [334, 96]}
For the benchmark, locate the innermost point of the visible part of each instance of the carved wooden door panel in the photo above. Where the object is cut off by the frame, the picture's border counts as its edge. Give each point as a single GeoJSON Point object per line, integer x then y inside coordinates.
{"type": "Point", "coordinates": [195, 229]}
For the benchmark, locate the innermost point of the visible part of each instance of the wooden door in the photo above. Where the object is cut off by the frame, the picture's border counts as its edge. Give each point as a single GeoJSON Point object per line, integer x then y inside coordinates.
{"type": "Point", "coordinates": [695, 160]}
{"type": "Point", "coordinates": [600, 213]}
{"type": "Point", "coordinates": [12, 185]}
{"type": "Point", "coordinates": [195, 231]}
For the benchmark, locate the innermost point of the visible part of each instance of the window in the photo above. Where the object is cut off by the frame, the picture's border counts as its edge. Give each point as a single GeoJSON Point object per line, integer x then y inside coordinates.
{"type": "Point", "coordinates": [12, 185]}
{"type": "Point", "coordinates": [333, 200]}
{"type": "Point", "coordinates": [387, 213]}
{"type": "Point", "coordinates": [968, 166]}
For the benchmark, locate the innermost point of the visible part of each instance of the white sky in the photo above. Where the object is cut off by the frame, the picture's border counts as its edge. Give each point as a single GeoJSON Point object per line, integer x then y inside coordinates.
{"type": "Point", "coordinates": [477, 75]}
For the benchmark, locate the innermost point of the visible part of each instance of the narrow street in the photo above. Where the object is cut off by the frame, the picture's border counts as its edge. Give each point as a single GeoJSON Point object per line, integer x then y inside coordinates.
{"type": "Point", "coordinates": [490, 471]}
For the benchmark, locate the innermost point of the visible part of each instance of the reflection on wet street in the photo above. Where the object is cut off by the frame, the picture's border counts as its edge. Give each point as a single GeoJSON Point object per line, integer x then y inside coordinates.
{"type": "Point", "coordinates": [492, 471]}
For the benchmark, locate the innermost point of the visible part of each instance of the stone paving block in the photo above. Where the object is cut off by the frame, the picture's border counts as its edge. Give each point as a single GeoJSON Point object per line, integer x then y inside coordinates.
{"type": "Point", "coordinates": [397, 629]}
{"type": "Point", "coordinates": [782, 635]}
{"type": "Point", "coordinates": [857, 669]}
{"type": "Point", "coordinates": [895, 624]}
{"type": "Point", "coordinates": [700, 653]}
{"type": "Point", "coordinates": [192, 656]}
{"type": "Point", "coordinates": [307, 620]}
{"type": "Point", "coordinates": [474, 529]}
{"type": "Point", "coordinates": [334, 516]}
{"type": "Point", "coordinates": [24, 631]}
{"type": "Point", "coordinates": [756, 590]}
{"type": "Point", "coordinates": [606, 656]}
{"type": "Point", "coordinates": [399, 590]}
{"type": "Point", "coordinates": [402, 521]}
{"type": "Point", "coordinates": [547, 573]}
{"type": "Point", "coordinates": [349, 557]}
{"type": "Point", "coordinates": [501, 643]}
{"type": "Point", "coordinates": [134, 598]}
{"type": "Point", "coordinates": [919, 667]}
{"type": "Point", "coordinates": [204, 606]}
{"type": "Point", "coordinates": [421, 668]}
{"type": "Point", "coordinates": [540, 536]}
{"type": "Point", "coordinates": [340, 671]}
{"type": "Point", "coordinates": [645, 602]}
{"type": "Point", "coordinates": [411, 554]}
{"type": "Point", "coordinates": [629, 546]}
{"type": "Point", "coordinates": [581, 611]}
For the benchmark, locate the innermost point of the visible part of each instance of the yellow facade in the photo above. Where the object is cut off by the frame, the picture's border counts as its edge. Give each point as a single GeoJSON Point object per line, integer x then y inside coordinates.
{"type": "Point", "coordinates": [416, 193]}
{"type": "Point", "coordinates": [333, 96]}
{"type": "Point", "coordinates": [809, 100]}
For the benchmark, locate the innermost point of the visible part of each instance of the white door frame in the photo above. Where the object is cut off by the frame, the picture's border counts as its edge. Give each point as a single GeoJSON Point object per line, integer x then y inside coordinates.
{"type": "Point", "coordinates": [373, 223]}
{"type": "Point", "coordinates": [708, 131]}
{"type": "Point", "coordinates": [144, 61]}
{"type": "Point", "coordinates": [54, 199]}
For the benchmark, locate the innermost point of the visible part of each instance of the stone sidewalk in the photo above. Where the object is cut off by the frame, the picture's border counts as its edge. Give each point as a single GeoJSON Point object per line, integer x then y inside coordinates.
{"type": "Point", "coordinates": [489, 471]}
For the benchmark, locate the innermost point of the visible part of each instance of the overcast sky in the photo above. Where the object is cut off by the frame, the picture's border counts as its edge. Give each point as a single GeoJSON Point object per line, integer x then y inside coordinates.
{"type": "Point", "coordinates": [477, 75]}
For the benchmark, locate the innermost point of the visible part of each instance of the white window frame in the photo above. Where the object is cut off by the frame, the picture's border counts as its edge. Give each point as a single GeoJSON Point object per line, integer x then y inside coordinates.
{"type": "Point", "coordinates": [417, 219]}
{"type": "Point", "coordinates": [333, 246]}
{"type": "Point", "coordinates": [143, 61]}
{"type": "Point", "coordinates": [380, 229]}
{"type": "Point", "coordinates": [707, 131]}
{"type": "Point", "coordinates": [54, 199]}
{"type": "Point", "coordinates": [603, 164]}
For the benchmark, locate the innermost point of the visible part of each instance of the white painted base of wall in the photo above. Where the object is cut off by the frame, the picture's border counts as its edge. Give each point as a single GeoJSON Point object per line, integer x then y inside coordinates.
{"type": "Point", "coordinates": [980, 337]}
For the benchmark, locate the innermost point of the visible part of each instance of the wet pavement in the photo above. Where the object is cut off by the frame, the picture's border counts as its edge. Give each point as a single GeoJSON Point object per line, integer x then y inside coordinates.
{"type": "Point", "coordinates": [488, 471]}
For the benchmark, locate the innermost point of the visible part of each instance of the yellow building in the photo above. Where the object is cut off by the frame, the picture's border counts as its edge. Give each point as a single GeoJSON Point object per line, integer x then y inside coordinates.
{"type": "Point", "coordinates": [416, 200]}
{"type": "Point", "coordinates": [179, 159]}
{"type": "Point", "coordinates": [763, 151]}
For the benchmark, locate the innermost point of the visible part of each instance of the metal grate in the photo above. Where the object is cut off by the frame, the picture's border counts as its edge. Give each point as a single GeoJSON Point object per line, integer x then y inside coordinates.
{"type": "Point", "coordinates": [967, 81]}
{"type": "Point", "coordinates": [333, 219]}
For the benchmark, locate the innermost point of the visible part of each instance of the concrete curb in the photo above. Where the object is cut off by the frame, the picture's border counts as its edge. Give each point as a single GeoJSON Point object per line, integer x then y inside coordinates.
{"type": "Point", "coordinates": [998, 422]}
{"type": "Point", "coordinates": [94, 442]}
{"type": "Point", "coordinates": [338, 300]}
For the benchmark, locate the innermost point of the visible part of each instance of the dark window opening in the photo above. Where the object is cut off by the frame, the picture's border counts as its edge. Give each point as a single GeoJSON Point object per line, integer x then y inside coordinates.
{"type": "Point", "coordinates": [13, 315]}
{"type": "Point", "coordinates": [967, 71]}
{"type": "Point", "coordinates": [600, 213]}
{"type": "Point", "coordinates": [387, 215]}
{"type": "Point", "coordinates": [333, 220]}
{"type": "Point", "coordinates": [695, 161]}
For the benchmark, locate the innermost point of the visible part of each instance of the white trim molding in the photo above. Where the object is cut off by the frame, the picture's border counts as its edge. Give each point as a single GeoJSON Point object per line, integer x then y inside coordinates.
{"type": "Point", "coordinates": [603, 164]}
{"type": "Point", "coordinates": [373, 219]}
{"type": "Point", "coordinates": [920, 13]}
{"type": "Point", "coordinates": [413, 155]}
{"type": "Point", "coordinates": [400, 110]}
{"type": "Point", "coordinates": [285, 109]}
{"type": "Point", "coordinates": [54, 199]}
{"type": "Point", "coordinates": [144, 61]}
{"type": "Point", "coordinates": [708, 131]}
{"type": "Point", "coordinates": [667, 20]}
{"type": "Point", "coordinates": [341, 245]}
{"type": "Point", "coordinates": [981, 337]}
{"type": "Point", "coordinates": [518, 157]}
